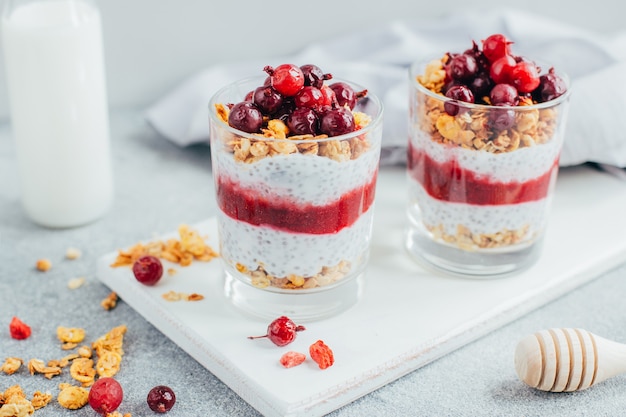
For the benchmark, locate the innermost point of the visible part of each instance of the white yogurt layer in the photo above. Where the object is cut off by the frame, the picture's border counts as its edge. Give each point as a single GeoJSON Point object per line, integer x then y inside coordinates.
{"type": "Point", "coordinates": [521, 165]}
{"type": "Point", "coordinates": [478, 219]}
{"type": "Point", "coordinates": [283, 253]}
{"type": "Point", "coordinates": [300, 178]}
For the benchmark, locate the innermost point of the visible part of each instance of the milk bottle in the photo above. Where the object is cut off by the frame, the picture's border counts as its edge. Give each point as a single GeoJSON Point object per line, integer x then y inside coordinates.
{"type": "Point", "coordinates": [56, 82]}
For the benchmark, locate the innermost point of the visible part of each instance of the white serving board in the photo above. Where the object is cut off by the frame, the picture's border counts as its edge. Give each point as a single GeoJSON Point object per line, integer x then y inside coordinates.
{"type": "Point", "coordinates": [407, 317]}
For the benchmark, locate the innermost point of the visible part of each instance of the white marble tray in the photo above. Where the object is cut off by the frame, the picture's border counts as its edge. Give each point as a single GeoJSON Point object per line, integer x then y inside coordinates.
{"type": "Point", "coordinates": [407, 317]}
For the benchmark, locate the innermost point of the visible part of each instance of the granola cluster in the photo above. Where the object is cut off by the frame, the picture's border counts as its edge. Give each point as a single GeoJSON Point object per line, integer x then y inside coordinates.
{"type": "Point", "coordinates": [470, 128]}
{"type": "Point", "coordinates": [327, 275]}
{"type": "Point", "coordinates": [248, 150]}
{"type": "Point", "coordinates": [83, 368]}
{"type": "Point", "coordinates": [183, 251]}
{"type": "Point", "coordinates": [467, 240]}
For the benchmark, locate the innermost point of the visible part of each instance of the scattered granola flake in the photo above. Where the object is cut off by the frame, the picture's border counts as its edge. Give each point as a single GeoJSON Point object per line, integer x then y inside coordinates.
{"type": "Point", "coordinates": [40, 399]}
{"type": "Point", "coordinates": [181, 296]}
{"type": "Point", "coordinates": [108, 364]}
{"type": "Point", "coordinates": [11, 365]}
{"type": "Point", "coordinates": [37, 366]}
{"type": "Point", "coordinates": [171, 271]}
{"type": "Point", "coordinates": [72, 253]}
{"type": "Point", "coordinates": [84, 351]}
{"type": "Point", "coordinates": [68, 345]}
{"type": "Point", "coordinates": [43, 265]}
{"type": "Point", "coordinates": [110, 302]}
{"type": "Point", "coordinates": [109, 351]}
{"type": "Point", "coordinates": [183, 251]}
{"type": "Point", "coordinates": [321, 354]}
{"type": "Point", "coordinates": [15, 403]}
{"type": "Point", "coordinates": [75, 283]}
{"type": "Point", "coordinates": [63, 362]}
{"type": "Point", "coordinates": [291, 359]}
{"type": "Point", "coordinates": [82, 370]}
{"type": "Point", "coordinates": [72, 397]}
{"type": "Point", "coordinates": [70, 334]}
{"type": "Point", "coordinates": [18, 329]}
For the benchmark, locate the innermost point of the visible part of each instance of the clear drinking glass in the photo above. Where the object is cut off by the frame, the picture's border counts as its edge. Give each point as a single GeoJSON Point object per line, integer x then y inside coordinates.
{"type": "Point", "coordinates": [295, 214]}
{"type": "Point", "coordinates": [480, 181]}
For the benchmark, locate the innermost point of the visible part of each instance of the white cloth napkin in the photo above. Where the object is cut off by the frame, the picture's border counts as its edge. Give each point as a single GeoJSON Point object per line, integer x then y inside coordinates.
{"type": "Point", "coordinates": [379, 58]}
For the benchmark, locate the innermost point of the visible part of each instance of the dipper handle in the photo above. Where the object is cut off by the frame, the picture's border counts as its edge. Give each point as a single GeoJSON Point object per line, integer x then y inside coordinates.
{"type": "Point", "coordinates": [563, 359]}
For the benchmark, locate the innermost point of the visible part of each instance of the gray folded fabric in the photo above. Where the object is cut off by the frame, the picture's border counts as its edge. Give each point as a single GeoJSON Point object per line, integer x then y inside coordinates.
{"type": "Point", "coordinates": [379, 59]}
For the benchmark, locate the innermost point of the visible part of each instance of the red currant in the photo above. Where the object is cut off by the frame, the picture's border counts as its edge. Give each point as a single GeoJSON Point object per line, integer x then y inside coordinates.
{"type": "Point", "coordinates": [148, 269]}
{"type": "Point", "coordinates": [500, 71]}
{"type": "Point", "coordinates": [105, 395]}
{"type": "Point", "coordinates": [281, 331]}
{"type": "Point", "coordinates": [328, 96]}
{"type": "Point", "coordinates": [161, 399]}
{"type": "Point", "coordinates": [287, 79]}
{"type": "Point", "coordinates": [503, 95]}
{"type": "Point", "coordinates": [310, 97]}
{"type": "Point", "coordinates": [525, 76]}
{"type": "Point", "coordinates": [459, 93]}
{"type": "Point", "coordinates": [496, 46]}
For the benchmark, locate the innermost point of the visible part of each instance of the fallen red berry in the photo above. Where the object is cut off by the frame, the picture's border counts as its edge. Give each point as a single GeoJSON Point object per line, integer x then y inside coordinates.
{"type": "Point", "coordinates": [18, 329]}
{"type": "Point", "coordinates": [105, 395]}
{"type": "Point", "coordinates": [148, 269]}
{"type": "Point", "coordinates": [161, 399]}
{"type": "Point", "coordinates": [321, 354]}
{"type": "Point", "coordinates": [291, 359]}
{"type": "Point", "coordinates": [281, 331]}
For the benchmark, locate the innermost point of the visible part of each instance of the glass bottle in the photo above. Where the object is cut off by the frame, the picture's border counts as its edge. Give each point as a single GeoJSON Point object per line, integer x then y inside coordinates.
{"type": "Point", "coordinates": [55, 72]}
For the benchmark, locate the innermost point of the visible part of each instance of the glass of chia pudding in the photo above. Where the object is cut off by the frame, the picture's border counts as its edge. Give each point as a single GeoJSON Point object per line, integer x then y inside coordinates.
{"type": "Point", "coordinates": [485, 133]}
{"type": "Point", "coordinates": [295, 192]}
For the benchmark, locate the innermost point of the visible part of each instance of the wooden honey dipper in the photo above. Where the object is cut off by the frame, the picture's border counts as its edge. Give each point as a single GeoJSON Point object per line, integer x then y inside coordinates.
{"type": "Point", "coordinates": [563, 360]}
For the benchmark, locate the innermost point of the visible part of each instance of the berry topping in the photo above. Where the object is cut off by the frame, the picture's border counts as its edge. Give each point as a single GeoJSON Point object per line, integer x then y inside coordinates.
{"type": "Point", "coordinates": [496, 46]}
{"type": "Point", "coordinates": [310, 97]}
{"type": "Point", "coordinates": [246, 116]}
{"type": "Point", "coordinates": [148, 270]}
{"type": "Point", "coordinates": [314, 76]}
{"type": "Point", "coordinates": [501, 68]}
{"type": "Point", "coordinates": [460, 93]}
{"type": "Point", "coordinates": [105, 395]}
{"type": "Point", "coordinates": [267, 99]}
{"type": "Point", "coordinates": [525, 76]}
{"type": "Point", "coordinates": [161, 399]}
{"type": "Point", "coordinates": [287, 79]}
{"type": "Point", "coordinates": [462, 67]}
{"type": "Point", "coordinates": [281, 331]}
{"type": "Point", "coordinates": [337, 121]}
{"type": "Point", "coordinates": [494, 76]}
{"type": "Point", "coordinates": [550, 87]}
{"type": "Point", "coordinates": [504, 95]}
{"type": "Point", "coordinates": [345, 94]}
{"type": "Point", "coordinates": [303, 121]}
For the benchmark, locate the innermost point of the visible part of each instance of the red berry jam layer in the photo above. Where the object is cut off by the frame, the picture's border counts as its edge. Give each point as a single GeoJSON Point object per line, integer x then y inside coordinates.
{"type": "Point", "coordinates": [450, 181]}
{"type": "Point", "coordinates": [245, 204]}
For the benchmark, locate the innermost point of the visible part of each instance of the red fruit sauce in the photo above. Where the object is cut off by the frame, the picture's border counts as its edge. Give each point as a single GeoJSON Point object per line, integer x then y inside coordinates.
{"type": "Point", "coordinates": [450, 182]}
{"type": "Point", "coordinates": [245, 205]}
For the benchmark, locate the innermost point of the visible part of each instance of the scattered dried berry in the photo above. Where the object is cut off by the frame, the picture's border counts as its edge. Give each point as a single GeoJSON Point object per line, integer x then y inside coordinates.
{"type": "Point", "coordinates": [321, 354]}
{"type": "Point", "coordinates": [161, 399]}
{"type": "Point", "coordinates": [18, 329]}
{"type": "Point", "coordinates": [291, 359]}
{"type": "Point", "coordinates": [148, 269]}
{"type": "Point", "coordinates": [105, 395]}
{"type": "Point", "coordinates": [281, 331]}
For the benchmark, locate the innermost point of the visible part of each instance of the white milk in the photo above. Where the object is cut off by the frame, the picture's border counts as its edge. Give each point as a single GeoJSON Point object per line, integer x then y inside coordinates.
{"type": "Point", "coordinates": [56, 82]}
